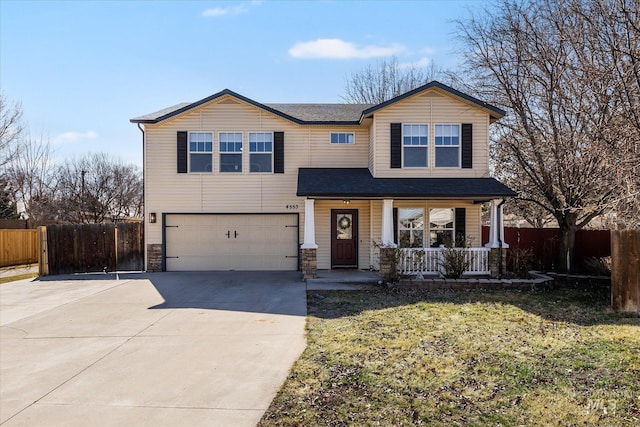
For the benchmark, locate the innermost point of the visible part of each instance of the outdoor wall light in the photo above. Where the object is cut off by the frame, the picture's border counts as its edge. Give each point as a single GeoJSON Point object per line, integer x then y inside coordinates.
{"type": "Point", "coordinates": [152, 217]}
{"type": "Point", "coordinates": [346, 202]}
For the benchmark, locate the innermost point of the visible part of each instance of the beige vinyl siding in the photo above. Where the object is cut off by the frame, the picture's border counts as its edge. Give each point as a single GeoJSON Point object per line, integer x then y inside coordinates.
{"type": "Point", "coordinates": [432, 107]}
{"type": "Point", "coordinates": [305, 146]}
{"type": "Point", "coordinates": [323, 231]}
{"type": "Point", "coordinates": [372, 147]}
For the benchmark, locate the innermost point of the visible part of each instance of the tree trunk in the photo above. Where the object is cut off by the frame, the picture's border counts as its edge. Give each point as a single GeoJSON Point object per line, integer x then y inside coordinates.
{"type": "Point", "coordinates": [568, 230]}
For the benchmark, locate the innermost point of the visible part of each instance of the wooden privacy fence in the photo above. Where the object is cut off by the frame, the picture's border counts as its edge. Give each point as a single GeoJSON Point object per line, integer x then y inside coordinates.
{"type": "Point", "coordinates": [625, 270]}
{"type": "Point", "coordinates": [18, 247]}
{"type": "Point", "coordinates": [85, 248]}
{"type": "Point", "coordinates": [544, 243]}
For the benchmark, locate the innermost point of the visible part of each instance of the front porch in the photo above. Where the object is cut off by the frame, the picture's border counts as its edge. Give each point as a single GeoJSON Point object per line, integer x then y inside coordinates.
{"type": "Point", "coordinates": [351, 216]}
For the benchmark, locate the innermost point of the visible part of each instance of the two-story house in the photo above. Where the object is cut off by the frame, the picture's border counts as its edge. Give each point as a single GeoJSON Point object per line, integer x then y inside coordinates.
{"type": "Point", "coordinates": [234, 184]}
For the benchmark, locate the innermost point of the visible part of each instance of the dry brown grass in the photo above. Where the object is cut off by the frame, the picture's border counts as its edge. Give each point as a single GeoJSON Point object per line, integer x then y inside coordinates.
{"type": "Point", "coordinates": [560, 357]}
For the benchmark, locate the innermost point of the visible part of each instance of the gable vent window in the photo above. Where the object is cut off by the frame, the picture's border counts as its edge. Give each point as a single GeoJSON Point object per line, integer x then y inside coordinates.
{"type": "Point", "coordinates": [200, 152]}
{"type": "Point", "coordinates": [343, 138]}
{"type": "Point", "coordinates": [230, 151]}
{"type": "Point", "coordinates": [414, 146]}
{"type": "Point", "coordinates": [447, 141]}
{"type": "Point", "coordinates": [261, 152]}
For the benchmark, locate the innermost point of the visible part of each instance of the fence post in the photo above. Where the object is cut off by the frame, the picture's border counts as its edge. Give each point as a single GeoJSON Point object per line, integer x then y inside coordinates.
{"type": "Point", "coordinates": [625, 270]}
{"type": "Point", "coordinates": [115, 243]}
{"type": "Point", "coordinates": [43, 253]}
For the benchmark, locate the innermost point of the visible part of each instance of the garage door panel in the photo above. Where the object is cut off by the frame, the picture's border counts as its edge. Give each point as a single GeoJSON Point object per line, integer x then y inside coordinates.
{"type": "Point", "coordinates": [254, 242]}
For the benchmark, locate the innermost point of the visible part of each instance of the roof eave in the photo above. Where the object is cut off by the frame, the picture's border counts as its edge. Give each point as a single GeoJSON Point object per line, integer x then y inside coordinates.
{"type": "Point", "coordinates": [225, 92]}
{"type": "Point", "coordinates": [497, 112]}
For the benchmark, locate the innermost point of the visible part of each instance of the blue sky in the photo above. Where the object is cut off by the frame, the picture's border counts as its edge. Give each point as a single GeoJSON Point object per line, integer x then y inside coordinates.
{"type": "Point", "coordinates": [82, 69]}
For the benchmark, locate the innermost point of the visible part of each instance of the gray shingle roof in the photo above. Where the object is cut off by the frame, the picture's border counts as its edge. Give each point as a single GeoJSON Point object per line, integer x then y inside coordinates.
{"type": "Point", "coordinates": [358, 182]}
{"type": "Point", "coordinates": [315, 113]}
{"type": "Point", "coordinates": [323, 112]}
{"type": "Point", "coordinates": [151, 117]}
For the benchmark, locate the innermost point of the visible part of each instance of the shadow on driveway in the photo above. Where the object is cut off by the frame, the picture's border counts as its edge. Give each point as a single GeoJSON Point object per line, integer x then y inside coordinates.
{"type": "Point", "coordinates": [274, 292]}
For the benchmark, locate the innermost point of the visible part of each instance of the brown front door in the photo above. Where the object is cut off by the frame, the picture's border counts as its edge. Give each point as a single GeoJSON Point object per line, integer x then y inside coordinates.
{"type": "Point", "coordinates": [344, 238]}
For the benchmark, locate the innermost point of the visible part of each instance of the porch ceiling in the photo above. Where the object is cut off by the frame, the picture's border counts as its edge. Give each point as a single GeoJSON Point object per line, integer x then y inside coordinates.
{"type": "Point", "coordinates": [359, 183]}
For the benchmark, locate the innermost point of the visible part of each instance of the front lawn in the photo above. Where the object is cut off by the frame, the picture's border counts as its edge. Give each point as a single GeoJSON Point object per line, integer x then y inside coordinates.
{"type": "Point", "coordinates": [397, 357]}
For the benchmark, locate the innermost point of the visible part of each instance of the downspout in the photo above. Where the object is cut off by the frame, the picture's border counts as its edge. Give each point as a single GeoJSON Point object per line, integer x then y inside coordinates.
{"type": "Point", "coordinates": [500, 232]}
{"type": "Point", "coordinates": [144, 202]}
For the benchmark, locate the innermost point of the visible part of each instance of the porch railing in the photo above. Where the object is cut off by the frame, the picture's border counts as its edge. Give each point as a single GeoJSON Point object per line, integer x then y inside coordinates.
{"type": "Point", "coordinates": [414, 261]}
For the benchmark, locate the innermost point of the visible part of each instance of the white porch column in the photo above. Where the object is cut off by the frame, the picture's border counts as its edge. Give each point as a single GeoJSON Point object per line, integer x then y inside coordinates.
{"type": "Point", "coordinates": [309, 225]}
{"type": "Point", "coordinates": [501, 225]}
{"type": "Point", "coordinates": [387, 223]}
{"type": "Point", "coordinates": [496, 227]}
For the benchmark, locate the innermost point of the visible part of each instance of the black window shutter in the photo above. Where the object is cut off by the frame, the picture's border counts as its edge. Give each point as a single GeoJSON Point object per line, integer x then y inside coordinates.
{"type": "Point", "coordinates": [460, 226]}
{"type": "Point", "coordinates": [182, 152]}
{"type": "Point", "coordinates": [395, 225]}
{"type": "Point", "coordinates": [396, 145]}
{"type": "Point", "coordinates": [278, 152]}
{"type": "Point", "coordinates": [467, 145]}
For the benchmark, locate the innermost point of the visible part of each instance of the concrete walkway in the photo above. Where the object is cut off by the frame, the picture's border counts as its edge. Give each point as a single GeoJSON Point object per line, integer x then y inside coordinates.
{"type": "Point", "coordinates": [163, 349]}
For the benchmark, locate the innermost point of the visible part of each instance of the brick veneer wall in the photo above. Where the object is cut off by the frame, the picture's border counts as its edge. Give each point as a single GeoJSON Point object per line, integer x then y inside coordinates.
{"type": "Point", "coordinates": [154, 257]}
{"type": "Point", "coordinates": [494, 262]}
{"type": "Point", "coordinates": [309, 263]}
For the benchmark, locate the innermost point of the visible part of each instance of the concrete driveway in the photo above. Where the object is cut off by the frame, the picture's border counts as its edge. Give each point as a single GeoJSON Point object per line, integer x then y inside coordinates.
{"type": "Point", "coordinates": [162, 349]}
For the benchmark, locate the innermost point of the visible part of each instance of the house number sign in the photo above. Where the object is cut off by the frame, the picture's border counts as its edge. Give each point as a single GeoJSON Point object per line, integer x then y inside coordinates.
{"type": "Point", "coordinates": [292, 207]}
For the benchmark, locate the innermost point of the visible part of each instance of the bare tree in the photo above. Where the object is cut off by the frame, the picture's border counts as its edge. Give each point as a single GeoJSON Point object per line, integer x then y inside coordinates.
{"type": "Point", "coordinates": [30, 175]}
{"type": "Point", "coordinates": [8, 208]}
{"type": "Point", "coordinates": [10, 129]}
{"type": "Point", "coordinates": [385, 80]}
{"type": "Point", "coordinates": [566, 72]}
{"type": "Point", "coordinates": [98, 188]}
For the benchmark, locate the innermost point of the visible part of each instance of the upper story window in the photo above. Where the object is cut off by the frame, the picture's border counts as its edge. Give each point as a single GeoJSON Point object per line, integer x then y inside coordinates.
{"type": "Point", "coordinates": [200, 151]}
{"type": "Point", "coordinates": [441, 227]}
{"type": "Point", "coordinates": [260, 152]}
{"type": "Point", "coordinates": [411, 227]}
{"type": "Point", "coordinates": [447, 141]}
{"type": "Point", "coordinates": [343, 138]}
{"type": "Point", "coordinates": [230, 151]}
{"type": "Point", "coordinates": [414, 145]}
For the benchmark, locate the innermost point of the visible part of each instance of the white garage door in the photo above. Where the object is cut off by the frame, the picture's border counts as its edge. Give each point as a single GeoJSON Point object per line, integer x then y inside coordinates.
{"type": "Point", "coordinates": [231, 242]}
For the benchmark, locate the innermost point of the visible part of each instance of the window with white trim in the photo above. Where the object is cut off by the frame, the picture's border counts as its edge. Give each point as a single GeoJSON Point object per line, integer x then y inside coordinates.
{"type": "Point", "coordinates": [447, 141]}
{"type": "Point", "coordinates": [415, 145]}
{"type": "Point", "coordinates": [230, 144]}
{"type": "Point", "coordinates": [343, 138]}
{"type": "Point", "coordinates": [441, 227]}
{"type": "Point", "coordinates": [261, 152]}
{"type": "Point", "coordinates": [200, 151]}
{"type": "Point", "coordinates": [411, 227]}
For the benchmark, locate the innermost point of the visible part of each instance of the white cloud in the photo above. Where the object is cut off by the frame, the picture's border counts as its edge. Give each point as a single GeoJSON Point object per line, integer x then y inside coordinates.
{"type": "Point", "coordinates": [421, 63]}
{"type": "Point", "coordinates": [340, 49]}
{"type": "Point", "coordinates": [72, 137]}
{"type": "Point", "coordinates": [238, 9]}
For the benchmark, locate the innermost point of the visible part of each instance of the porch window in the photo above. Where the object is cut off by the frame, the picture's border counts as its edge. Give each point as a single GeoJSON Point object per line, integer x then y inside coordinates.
{"type": "Point", "coordinates": [414, 145]}
{"type": "Point", "coordinates": [411, 227]}
{"type": "Point", "coordinates": [230, 151]}
{"type": "Point", "coordinates": [441, 227]}
{"type": "Point", "coordinates": [261, 152]}
{"type": "Point", "coordinates": [447, 141]}
{"type": "Point", "coordinates": [200, 152]}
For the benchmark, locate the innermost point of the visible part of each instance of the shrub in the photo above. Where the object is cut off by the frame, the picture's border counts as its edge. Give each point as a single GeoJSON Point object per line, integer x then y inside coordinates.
{"type": "Point", "coordinates": [454, 262]}
{"type": "Point", "coordinates": [519, 262]}
{"type": "Point", "coordinates": [598, 266]}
